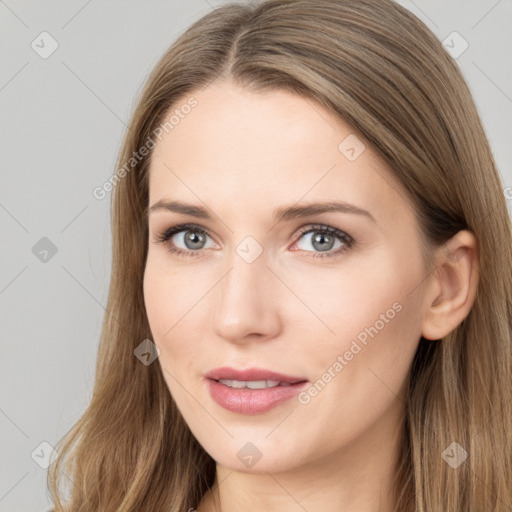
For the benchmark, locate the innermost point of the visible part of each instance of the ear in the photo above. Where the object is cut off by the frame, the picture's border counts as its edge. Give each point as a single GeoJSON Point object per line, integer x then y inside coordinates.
{"type": "Point", "coordinates": [452, 286]}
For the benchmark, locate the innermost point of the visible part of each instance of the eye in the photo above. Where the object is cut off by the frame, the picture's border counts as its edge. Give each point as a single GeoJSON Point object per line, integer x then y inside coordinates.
{"type": "Point", "coordinates": [324, 239]}
{"type": "Point", "coordinates": [192, 238]}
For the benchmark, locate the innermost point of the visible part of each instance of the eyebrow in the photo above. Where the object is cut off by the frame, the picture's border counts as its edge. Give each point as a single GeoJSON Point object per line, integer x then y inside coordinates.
{"type": "Point", "coordinates": [282, 214]}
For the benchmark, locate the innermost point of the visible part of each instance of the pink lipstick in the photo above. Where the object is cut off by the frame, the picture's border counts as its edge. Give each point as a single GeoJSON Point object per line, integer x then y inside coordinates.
{"type": "Point", "coordinates": [252, 391]}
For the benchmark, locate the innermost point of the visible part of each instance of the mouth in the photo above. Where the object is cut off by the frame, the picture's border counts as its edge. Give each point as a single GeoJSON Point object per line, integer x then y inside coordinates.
{"type": "Point", "coordinates": [252, 391]}
{"type": "Point", "coordinates": [252, 384]}
{"type": "Point", "coordinates": [252, 375]}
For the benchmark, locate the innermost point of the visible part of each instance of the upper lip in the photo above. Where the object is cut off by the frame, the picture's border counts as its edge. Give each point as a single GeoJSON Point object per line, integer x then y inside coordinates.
{"type": "Point", "coordinates": [251, 374]}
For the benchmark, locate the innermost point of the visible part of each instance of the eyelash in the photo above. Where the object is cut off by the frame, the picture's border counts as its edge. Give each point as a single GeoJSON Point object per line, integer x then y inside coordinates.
{"type": "Point", "coordinates": [347, 240]}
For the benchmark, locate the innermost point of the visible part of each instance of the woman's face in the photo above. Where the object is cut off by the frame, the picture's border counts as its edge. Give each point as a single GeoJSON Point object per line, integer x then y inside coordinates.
{"type": "Point", "coordinates": [340, 309]}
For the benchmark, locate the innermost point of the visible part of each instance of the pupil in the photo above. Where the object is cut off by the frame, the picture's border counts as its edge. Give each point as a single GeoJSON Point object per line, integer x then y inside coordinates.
{"type": "Point", "coordinates": [195, 239]}
{"type": "Point", "coordinates": [321, 238]}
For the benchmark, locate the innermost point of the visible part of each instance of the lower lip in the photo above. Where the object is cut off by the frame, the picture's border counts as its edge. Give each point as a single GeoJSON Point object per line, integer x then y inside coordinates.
{"type": "Point", "coordinates": [252, 401]}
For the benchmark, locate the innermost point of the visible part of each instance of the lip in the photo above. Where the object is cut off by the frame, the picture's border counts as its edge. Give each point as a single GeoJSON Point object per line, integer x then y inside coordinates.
{"type": "Point", "coordinates": [251, 374]}
{"type": "Point", "coordinates": [252, 401]}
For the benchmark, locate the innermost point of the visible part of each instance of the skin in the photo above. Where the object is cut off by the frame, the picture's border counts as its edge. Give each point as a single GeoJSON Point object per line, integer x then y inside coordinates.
{"type": "Point", "coordinates": [242, 154]}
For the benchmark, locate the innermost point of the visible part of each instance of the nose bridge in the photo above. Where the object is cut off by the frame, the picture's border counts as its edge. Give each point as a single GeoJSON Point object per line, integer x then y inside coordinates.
{"type": "Point", "coordinates": [242, 285]}
{"type": "Point", "coordinates": [243, 305]}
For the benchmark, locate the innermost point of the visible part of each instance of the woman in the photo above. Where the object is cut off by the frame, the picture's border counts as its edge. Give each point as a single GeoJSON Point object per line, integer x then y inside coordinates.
{"type": "Point", "coordinates": [310, 301]}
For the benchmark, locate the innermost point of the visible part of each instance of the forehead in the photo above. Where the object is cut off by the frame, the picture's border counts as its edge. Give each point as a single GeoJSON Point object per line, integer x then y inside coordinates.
{"type": "Point", "coordinates": [265, 149]}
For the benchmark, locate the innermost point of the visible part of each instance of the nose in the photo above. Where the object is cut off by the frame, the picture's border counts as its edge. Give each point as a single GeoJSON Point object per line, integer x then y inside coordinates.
{"type": "Point", "coordinates": [246, 306]}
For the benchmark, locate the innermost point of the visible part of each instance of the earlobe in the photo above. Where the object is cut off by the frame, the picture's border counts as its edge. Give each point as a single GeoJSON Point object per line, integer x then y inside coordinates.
{"type": "Point", "coordinates": [452, 286]}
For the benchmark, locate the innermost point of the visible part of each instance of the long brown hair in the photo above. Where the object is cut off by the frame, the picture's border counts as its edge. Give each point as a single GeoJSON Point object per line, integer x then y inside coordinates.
{"type": "Point", "coordinates": [376, 66]}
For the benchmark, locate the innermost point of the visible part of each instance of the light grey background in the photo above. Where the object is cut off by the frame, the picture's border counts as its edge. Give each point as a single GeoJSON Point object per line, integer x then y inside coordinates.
{"type": "Point", "coordinates": [62, 122]}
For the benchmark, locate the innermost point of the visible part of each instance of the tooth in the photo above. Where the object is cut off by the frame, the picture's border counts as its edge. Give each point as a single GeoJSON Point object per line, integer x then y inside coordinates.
{"type": "Point", "coordinates": [256, 384]}
{"type": "Point", "coordinates": [239, 384]}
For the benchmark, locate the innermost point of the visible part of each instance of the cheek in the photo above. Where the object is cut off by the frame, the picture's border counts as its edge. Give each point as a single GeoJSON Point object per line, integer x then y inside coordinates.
{"type": "Point", "coordinates": [373, 315]}
{"type": "Point", "coordinates": [365, 312]}
{"type": "Point", "coordinates": [168, 294]}
{"type": "Point", "coordinates": [343, 302]}
{"type": "Point", "coordinates": [176, 308]}
{"type": "Point", "coordinates": [158, 300]}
